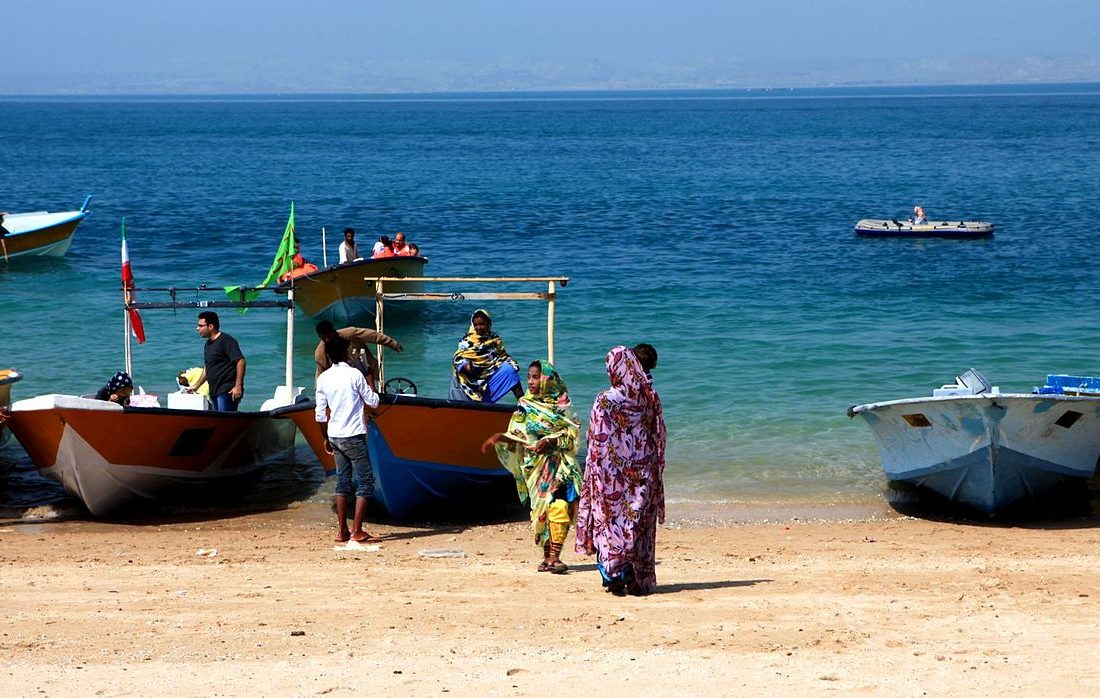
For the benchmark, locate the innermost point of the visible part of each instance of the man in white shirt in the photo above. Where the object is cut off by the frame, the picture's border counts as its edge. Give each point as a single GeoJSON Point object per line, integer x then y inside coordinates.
{"type": "Point", "coordinates": [342, 395]}
{"type": "Point", "coordinates": [349, 251]}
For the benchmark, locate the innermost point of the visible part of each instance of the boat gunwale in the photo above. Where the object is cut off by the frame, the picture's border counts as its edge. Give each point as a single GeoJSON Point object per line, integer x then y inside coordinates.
{"type": "Point", "coordinates": [870, 406]}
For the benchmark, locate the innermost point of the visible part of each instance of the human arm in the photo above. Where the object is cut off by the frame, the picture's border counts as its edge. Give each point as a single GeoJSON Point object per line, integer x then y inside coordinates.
{"type": "Point", "coordinates": [320, 413]}
{"type": "Point", "coordinates": [237, 391]}
{"type": "Point", "coordinates": [194, 387]}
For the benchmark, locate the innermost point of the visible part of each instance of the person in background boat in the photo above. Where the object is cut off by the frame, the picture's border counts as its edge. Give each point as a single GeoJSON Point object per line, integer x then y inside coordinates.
{"type": "Point", "coordinates": [224, 364]}
{"type": "Point", "coordinates": [482, 370]}
{"type": "Point", "coordinates": [623, 496]}
{"type": "Point", "coordinates": [647, 357]}
{"type": "Point", "coordinates": [188, 376]}
{"type": "Point", "coordinates": [341, 397]}
{"type": "Point", "coordinates": [414, 249]}
{"type": "Point", "coordinates": [359, 355]}
{"type": "Point", "coordinates": [349, 251]}
{"type": "Point", "coordinates": [918, 216]}
{"type": "Point", "coordinates": [400, 247]}
{"type": "Point", "coordinates": [298, 265]}
{"type": "Point", "coordinates": [386, 249]}
{"type": "Point", "coordinates": [118, 389]}
{"type": "Point", "coordinates": [3, 233]}
{"type": "Point", "coordinates": [539, 449]}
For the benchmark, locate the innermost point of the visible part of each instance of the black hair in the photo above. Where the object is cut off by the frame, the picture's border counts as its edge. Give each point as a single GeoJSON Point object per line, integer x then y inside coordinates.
{"type": "Point", "coordinates": [349, 230]}
{"type": "Point", "coordinates": [211, 319]}
{"type": "Point", "coordinates": [336, 349]}
{"type": "Point", "coordinates": [324, 327]}
{"type": "Point", "coordinates": [646, 355]}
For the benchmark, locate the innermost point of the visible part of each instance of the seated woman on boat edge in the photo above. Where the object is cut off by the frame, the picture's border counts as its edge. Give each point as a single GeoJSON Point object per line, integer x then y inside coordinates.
{"type": "Point", "coordinates": [482, 370]}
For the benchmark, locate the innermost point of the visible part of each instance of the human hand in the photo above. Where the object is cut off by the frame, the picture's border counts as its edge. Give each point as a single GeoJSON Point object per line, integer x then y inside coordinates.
{"type": "Point", "coordinates": [328, 447]}
{"type": "Point", "coordinates": [236, 392]}
{"type": "Point", "coordinates": [397, 347]}
{"type": "Point", "coordinates": [490, 442]}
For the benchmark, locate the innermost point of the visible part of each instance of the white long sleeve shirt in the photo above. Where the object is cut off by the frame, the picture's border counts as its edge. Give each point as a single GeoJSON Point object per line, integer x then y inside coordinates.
{"type": "Point", "coordinates": [342, 394]}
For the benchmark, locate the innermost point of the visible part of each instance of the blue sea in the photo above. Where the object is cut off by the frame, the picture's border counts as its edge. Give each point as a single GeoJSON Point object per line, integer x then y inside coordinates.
{"type": "Point", "coordinates": [716, 225]}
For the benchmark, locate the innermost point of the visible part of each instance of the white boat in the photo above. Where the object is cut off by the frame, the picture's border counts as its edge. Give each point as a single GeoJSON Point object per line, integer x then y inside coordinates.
{"type": "Point", "coordinates": [110, 456]}
{"type": "Point", "coordinates": [7, 377]}
{"type": "Point", "coordinates": [984, 449]}
{"type": "Point", "coordinates": [878, 227]}
{"type": "Point", "coordinates": [40, 233]}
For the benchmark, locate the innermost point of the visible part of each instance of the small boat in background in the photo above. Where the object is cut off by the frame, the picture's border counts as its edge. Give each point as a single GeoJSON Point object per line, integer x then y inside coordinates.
{"type": "Point", "coordinates": [7, 377]}
{"type": "Point", "coordinates": [987, 450]}
{"type": "Point", "coordinates": [339, 294]}
{"type": "Point", "coordinates": [877, 227]}
{"type": "Point", "coordinates": [40, 233]}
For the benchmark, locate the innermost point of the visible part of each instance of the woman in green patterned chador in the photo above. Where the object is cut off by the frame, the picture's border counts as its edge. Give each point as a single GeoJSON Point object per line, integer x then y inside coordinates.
{"type": "Point", "coordinates": [540, 449]}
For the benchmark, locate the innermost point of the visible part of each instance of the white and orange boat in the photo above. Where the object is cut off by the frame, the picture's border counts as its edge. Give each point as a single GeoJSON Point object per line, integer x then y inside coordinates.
{"type": "Point", "coordinates": [7, 377]}
{"type": "Point", "coordinates": [110, 456]}
{"type": "Point", "coordinates": [40, 233]}
{"type": "Point", "coordinates": [426, 452]}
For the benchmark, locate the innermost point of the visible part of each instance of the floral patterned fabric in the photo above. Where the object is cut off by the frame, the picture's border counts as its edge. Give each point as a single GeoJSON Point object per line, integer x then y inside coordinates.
{"type": "Point", "coordinates": [542, 478]}
{"type": "Point", "coordinates": [623, 496]}
{"type": "Point", "coordinates": [486, 354]}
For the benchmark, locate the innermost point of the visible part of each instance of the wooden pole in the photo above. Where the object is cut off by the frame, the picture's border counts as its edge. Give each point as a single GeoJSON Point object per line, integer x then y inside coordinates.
{"type": "Point", "coordinates": [379, 304]}
{"type": "Point", "coordinates": [550, 323]}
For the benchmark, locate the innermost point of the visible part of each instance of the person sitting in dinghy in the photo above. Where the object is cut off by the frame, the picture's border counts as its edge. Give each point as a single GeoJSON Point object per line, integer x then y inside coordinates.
{"type": "Point", "coordinates": [918, 216]}
{"type": "Point", "coordinates": [118, 389]}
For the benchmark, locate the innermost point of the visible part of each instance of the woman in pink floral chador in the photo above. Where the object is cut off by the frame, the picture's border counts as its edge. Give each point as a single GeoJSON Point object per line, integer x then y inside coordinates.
{"type": "Point", "coordinates": [623, 495]}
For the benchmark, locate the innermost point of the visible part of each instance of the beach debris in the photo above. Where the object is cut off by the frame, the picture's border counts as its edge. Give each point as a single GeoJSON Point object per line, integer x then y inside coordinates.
{"type": "Point", "coordinates": [206, 552]}
{"type": "Point", "coordinates": [446, 552]}
{"type": "Point", "coordinates": [357, 547]}
{"type": "Point", "coordinates": [297, 633]}
{"type": "Point", "coordinates": [868, 539]}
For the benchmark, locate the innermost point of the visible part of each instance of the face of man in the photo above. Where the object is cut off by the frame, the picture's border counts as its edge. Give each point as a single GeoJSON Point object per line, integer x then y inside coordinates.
{"type": "Point", "coordinates": [400, 237]}
{"type": "Point", "coordinates": [205, 330]}
{"type": "Point", "coordinates": [349, 237]}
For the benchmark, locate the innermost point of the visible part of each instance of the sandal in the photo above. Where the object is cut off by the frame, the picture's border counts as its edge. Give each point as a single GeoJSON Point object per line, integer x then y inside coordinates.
{"type": "Point", "coordinates": [557, 567]}
{"type": "Point", "coordinates": [544, 566]}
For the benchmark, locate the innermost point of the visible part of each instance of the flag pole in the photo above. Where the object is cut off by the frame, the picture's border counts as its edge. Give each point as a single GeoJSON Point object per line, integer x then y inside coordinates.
{"type": "Point", "coordinates": [290, 342]}
{"type": "Point", "coordinates": [126, 333]}
{"type": "Point", "coordinates": [324, 249]}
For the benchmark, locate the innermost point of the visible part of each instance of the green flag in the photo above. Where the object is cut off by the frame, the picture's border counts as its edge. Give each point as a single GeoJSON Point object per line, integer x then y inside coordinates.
{"type": "Point", "coordinates": [282, 264]}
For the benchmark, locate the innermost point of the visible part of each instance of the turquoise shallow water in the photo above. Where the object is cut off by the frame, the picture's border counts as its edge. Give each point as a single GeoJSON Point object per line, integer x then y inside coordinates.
{"type": "Point", "coordinates": [717, 226]}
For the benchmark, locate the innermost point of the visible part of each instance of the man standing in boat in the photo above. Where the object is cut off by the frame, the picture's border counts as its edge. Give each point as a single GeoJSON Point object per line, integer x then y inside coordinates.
{"type": "Point", "coordinates": [360, 356]}
{"type": "Point", "coordinates": [223, 364]}
{"type": "Point", "coordinates": [342, 396]}
{"type": "Point", "coordinates": [349, 251]}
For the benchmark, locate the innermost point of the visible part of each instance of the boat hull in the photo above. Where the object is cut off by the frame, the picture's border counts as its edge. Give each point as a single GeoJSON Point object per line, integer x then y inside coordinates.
{"type": "Point", "coordinates": [110, 457]}
{"type": "Point", "coordinates": [339, 294]}
{"type": "Point", "coordinates": [874, 227]}
{"type": "Point", "coordinates": [41, 234]}
{"type": "Point", "coordinates": [987, 452]}
{"type": "Point", "coordinates": [426, 454]}
{"type": "Point", "coordinates": [8, 376]}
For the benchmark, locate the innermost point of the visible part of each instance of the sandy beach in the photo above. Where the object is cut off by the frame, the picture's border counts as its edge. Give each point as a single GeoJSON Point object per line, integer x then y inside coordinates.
{"type": "Point", "coordinates": [880, 605]}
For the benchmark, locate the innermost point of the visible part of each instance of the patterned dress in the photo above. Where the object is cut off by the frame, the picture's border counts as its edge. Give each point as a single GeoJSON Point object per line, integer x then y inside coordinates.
{"type": "Point", "coordinates": [550, 482]}
{"type": "Point", "coordinates": [486, 354]}
{"type": "Point", "coordinates": [623, 495]}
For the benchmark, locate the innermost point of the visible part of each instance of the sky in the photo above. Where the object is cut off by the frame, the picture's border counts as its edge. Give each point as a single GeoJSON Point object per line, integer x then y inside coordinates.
{"type": "Point", "coordinates": [369, 46]}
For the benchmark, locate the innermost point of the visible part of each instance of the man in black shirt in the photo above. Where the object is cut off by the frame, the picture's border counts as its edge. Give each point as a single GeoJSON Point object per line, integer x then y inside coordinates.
{"type": "Point", "coordinates": [224, 364]}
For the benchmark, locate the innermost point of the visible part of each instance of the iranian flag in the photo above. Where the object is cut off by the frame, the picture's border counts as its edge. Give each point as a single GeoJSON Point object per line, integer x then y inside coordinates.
{"type": "Point", "coordinates": [128, 289]}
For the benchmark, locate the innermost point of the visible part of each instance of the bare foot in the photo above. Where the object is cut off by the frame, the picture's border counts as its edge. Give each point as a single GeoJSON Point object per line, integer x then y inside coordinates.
{"type": "Point", "coordinates": [342, 537]}
{"type": "Point", "coordinates": [364, 537]}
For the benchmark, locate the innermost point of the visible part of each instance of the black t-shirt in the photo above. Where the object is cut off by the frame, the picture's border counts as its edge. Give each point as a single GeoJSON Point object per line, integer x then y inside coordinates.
{"type": "Point", "coordinates": [221, 356]}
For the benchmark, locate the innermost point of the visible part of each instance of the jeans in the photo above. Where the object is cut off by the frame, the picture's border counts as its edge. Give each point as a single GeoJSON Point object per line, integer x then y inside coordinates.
{"type": "Point", "coordinates": [352, 459]}
{"type": "Point", "coordinates": [225, 403]}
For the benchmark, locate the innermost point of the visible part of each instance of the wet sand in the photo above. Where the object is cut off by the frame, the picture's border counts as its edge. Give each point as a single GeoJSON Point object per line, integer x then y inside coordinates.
{"type": "Point", "coordinates": [877, 604]}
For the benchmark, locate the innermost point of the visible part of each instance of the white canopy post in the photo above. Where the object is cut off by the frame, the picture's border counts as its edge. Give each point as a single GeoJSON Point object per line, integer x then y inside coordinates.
{"type": "Point", "coordinates": [290, 341]}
